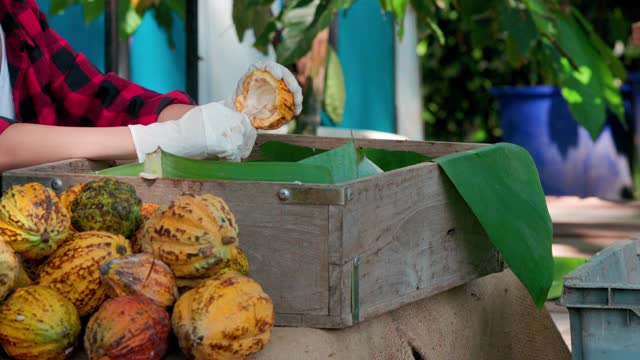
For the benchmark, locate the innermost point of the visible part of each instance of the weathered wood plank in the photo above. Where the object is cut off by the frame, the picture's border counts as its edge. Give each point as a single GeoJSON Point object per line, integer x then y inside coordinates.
{"type": "Point", "coordinates": [415, 236]}
{"type": "Point", "coordinates": [429, 148]}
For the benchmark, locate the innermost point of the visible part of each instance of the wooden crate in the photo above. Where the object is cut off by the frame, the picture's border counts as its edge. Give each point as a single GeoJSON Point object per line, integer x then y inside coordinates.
{"type": "Point", "coordinates": [333, 255]}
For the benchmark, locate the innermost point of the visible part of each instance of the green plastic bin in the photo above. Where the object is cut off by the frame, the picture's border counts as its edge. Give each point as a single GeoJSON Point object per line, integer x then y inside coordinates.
{"type": "Point", "coordinates": [603, 298]}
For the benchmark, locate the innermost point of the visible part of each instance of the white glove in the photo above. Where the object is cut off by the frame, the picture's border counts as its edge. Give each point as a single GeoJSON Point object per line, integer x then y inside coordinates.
{"type": "Point", "coordinates": [203, 132]}
{"type": "Point", "coordinates": [279, 72]}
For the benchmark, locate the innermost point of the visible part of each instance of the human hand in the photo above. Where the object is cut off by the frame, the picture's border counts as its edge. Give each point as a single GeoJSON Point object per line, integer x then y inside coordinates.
{"type": "Point", "coordinates": [203, 132]}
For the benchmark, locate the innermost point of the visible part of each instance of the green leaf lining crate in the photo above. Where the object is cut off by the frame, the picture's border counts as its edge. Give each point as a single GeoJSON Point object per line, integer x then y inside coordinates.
{"type": "Point", "coordinates": [332, 255]}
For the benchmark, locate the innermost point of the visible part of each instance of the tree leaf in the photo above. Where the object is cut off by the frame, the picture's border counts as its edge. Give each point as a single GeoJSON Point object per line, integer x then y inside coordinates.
{"type": "Point", "coordinates": [521, 30]}
{"type": "Point", "coordinates": [164, 17]}
{"type": "Point", "coordinates": [399, 9]}
{"type": "Point", "coordinates": [251, 14]}
{"type": "Point", "coordinates": [341, 161]}
{"type": "Point", "coordinates": [500, 184]}
{"type": "Point", "coordinates": [334, 88]}
{"type": "Point", "coordinates": [129, 19]}
{"type": "Point", "coordinates": [57, 7]}
{"type": "Point", "coordinates": [302, 24]}
{"type": "Point", "coordinates": [177, 6]}
{"type": "Point", "coordinates": [91, 10]}
{"type": "Point", "coordinates": [590, 88]}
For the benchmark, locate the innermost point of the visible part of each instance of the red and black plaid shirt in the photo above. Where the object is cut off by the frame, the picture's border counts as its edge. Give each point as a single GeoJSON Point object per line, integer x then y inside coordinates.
{"type": "Point", "coordinates": [54, 85]}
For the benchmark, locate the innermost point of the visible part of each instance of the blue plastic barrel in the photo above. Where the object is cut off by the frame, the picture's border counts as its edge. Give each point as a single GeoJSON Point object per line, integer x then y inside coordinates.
{"type": "Point", "coordinates": [568, 161]}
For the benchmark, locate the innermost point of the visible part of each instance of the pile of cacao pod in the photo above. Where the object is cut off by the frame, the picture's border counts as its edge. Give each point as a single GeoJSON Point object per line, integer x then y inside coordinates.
{"type": "Point", "coordinates": [98, 271]}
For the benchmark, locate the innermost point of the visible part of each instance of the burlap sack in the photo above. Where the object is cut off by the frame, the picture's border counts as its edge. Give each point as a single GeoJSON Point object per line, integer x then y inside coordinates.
{"type": "Point", "coordinates": [489, 318]}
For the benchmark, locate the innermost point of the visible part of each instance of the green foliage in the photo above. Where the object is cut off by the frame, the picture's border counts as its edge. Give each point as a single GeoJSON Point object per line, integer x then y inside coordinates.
{"type": "Point", "coordinates": [547, 41]}
{"type": "Point", "coordinates": [130, 13]}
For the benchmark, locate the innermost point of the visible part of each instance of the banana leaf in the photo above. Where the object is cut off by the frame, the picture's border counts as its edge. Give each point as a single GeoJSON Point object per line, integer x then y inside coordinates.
{"type": "Point", "coordinates": [501, 185]}
{"type": "Point", "coordinates": [132, 169]}
{"type": "Point", "coordinates": [366, 168]}
{"type": "Point", "coordinates": [165, 165]}
{"type": "Point", "coordinates": [342, 162]}
{"type": "Point", "coordinates": [386, 160]}
{"type": "Point", "coordinates": [161, 164]}
{"type": "Point", "coordinates": [563, 266]}
{"type": "Point", "coordinates": [389, 160]}
{"type": "Point", "coordinates": [279, 151]}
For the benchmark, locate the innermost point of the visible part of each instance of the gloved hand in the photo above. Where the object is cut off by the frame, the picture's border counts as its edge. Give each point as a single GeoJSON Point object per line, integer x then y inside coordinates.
{"type": "Point", "coordinates": [203, 132]}
{"type": "Point", "coordinates": [279, 72]}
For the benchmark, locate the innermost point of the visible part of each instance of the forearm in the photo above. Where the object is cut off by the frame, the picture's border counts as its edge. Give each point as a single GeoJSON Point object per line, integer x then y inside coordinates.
{"type": "Point", "coordinates": [173, 112]}
{"type": "Point", "coordinates": [31, 144]}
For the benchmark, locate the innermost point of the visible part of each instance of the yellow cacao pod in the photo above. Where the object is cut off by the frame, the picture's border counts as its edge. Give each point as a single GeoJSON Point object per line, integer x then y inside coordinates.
{"type": "Point", "coordinates": [37, 323]}
{"type": "Point", "coordinates": [9, 269]}
{"type": "Point", "coordinates": [33, 220]}
{"type": "Point", "coordinates": [141, 275]}
{"type": "Point", "coordinates": [191, 234]}
{"type": "Point", "coordinates": [226, 317]}
{"type": "Point", "coordinates": [146, 210]}
{"type": "Point", "coordinates": [74, 268]}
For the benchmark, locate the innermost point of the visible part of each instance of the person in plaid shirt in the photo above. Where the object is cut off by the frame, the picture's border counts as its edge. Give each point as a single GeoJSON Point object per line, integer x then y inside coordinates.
{"type": "Point", "coordinates": [55, 105]}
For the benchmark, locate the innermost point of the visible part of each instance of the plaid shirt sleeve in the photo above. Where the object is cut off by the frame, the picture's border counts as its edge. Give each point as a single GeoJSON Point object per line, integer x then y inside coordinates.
{"type": "Point", "coordinates": [54, 85]}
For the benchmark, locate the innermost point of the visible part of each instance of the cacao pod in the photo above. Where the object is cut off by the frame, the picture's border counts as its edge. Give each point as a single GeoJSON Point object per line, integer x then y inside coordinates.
{"type": "Point", "coordinates": [191, 234]}
{"type": "Point", "coordinates": [268, 101]}
{"type": "Point", "coordinates": [146, 210]}
{"type": "Point", "coordinates": [227, 317]}
{"type": "Point", "coordinates": [73, 269]}
{"type": "Point", "coordinates": [37, 323]}
{"type": "Point", "coordinates": [9, 269]}
{"type": "Point", "coordinates": [33, 220]}
{"type": "Point", "coordinates": [108, 205]}
{"type": "Point", "coordinates": [127, 327]}
{"type": "Point", "coordinates": [141, 275]}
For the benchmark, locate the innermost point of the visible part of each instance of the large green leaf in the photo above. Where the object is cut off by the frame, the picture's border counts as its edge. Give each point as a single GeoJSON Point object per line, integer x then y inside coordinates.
{"type": "Point", "coordinates": [501, 186]}
{"type": "Point", "coordinates": [562, 266]}
{"type": "Point", "coordinates": [389, 160]}
{"type": "Point", "coordinates": [334, 89]}
{"type": "Point", "coordinates": [366, 168]}
{"type": "Point", "coordinates": [132, 169]}
{"type": "Point", "coordinates": [342, 162]}
{"type": "Point", "coordinates": [279, 151]}
{"type": "Point", "coordinates": [166, 165]}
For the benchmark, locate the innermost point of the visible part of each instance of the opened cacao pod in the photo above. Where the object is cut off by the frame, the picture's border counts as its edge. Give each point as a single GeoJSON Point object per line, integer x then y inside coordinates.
{"type": "Point", "coordinates": [268, 101]}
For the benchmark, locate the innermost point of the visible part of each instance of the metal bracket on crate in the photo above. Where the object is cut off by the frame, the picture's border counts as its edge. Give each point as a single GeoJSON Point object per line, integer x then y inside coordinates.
{"type": "Point", "coordinates": [315, 196]}
{"type": "Point", "coordinates": [355, 290]}
{"type": "Point", "coordinates": [55, 183]}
